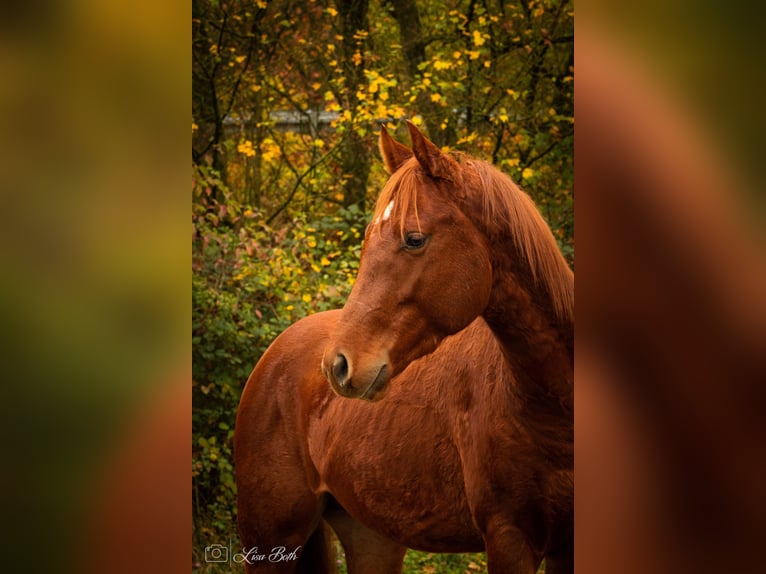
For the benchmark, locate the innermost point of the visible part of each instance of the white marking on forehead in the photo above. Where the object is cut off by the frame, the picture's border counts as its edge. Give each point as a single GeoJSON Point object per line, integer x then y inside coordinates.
{"type": "Point", "coordinates": [387, 212]}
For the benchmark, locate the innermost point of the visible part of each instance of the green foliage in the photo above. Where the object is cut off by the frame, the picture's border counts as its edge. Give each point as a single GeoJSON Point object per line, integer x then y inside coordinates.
{"type": "Point", "coordinates": [429, 563]}
{"type": "Point", "coordinates": [250, 282]}
{"type": "Point", "coordinates": [494, 80]}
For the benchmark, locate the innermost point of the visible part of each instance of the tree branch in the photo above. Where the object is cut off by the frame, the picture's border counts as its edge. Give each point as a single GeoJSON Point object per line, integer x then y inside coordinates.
{"type": "Point", "coordinates": [299, 181]}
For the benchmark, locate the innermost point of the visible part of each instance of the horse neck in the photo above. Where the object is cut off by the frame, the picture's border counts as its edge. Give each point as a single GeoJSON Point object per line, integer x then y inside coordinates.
{"type": "Point", "coordinates": [538, 344]}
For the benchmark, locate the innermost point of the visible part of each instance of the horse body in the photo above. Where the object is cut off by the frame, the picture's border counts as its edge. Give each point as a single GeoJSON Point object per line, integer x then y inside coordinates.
{"type": "Point", "coordinates": [453, 239]}
{"type": "Point", "coordinates": [396, 466]}
{"type": "Point", "coordinates": [427, 468]}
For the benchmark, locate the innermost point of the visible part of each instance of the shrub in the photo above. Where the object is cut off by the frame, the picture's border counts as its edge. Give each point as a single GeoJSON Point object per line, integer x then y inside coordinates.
{"type": "Point", "coordinates": [249, 283]}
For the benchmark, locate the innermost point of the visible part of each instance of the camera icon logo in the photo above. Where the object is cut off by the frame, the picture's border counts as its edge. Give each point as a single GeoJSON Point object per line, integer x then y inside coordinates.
{"type": "Point", "coordinates": [216, 553]}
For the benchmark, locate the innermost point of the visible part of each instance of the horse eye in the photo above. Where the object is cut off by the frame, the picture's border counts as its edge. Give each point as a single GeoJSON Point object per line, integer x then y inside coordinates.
{"type": "Point", "coordinates": [414, 240]}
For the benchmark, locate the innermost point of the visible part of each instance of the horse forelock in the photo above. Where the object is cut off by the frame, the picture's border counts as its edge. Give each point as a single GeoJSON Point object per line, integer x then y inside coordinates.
{"type": "Point", "coordinates": [398, 196]}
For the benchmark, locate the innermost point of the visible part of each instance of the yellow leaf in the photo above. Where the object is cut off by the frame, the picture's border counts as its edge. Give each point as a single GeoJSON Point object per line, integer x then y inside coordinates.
{"type": "Point", "coordinates": [436, 97]}
{"type": "Point", "coordinates": [332, 12]}
{"type": "Point", "coordinates": [456, 55]}
{"type": "Point", "coordinates": [325, 262]}
{"type": "Point", "coordinates": [240, 59]}
{"type": "Point", "coordinates": [478, 38]}
{"type": "Point", "coordinates": [315, 86]}
{"type": "Point", "coordinates": [306, 298]}
{"type": "Point", "coordinates": [356, 58]}
{"type": "Point", "coordinates": [246, 148]}
{"type": "Point", "coordinates": [527, 173]}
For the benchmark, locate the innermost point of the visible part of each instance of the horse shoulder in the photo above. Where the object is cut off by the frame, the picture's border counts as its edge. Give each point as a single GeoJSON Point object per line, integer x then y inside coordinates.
{"type": "Point", "coordinates": [275, 393]}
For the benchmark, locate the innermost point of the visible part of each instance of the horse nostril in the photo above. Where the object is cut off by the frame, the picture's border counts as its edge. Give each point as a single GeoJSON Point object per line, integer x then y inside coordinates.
{"type": "Point", "coordinates": [340, 369]}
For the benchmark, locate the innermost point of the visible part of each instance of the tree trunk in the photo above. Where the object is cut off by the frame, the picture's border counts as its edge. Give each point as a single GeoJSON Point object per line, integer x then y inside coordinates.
{"type": "Point", "coordinates": [355, 155]}
{"type": "Point", "coordinates": [406, 14]}
{"type": "Point", "coordinates": [206, 143]}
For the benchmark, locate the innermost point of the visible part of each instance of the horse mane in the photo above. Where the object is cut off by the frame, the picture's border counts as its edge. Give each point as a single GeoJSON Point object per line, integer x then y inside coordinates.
{"type": "Point", "coordinates": [505, 210]}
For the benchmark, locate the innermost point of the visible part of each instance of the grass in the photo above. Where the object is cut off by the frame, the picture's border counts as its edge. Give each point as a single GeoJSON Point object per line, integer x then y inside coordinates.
{"type": "Point", "coordinates": [429, 563]}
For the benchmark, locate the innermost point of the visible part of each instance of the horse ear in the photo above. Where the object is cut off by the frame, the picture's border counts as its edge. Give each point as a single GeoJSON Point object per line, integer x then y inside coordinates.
{"type": "Point", "coordinates": [394, 154]}
{"type": "Point", "coordinates": [435, 162]}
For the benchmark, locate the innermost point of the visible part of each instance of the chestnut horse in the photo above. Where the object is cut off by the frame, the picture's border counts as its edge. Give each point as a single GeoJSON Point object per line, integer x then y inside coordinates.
{"type": "Point", "coordinates": [408, 471]}
{"type": "Point", "coordinates": [463, 454]}
{"type": "Point", "coordinates": [453, 239]}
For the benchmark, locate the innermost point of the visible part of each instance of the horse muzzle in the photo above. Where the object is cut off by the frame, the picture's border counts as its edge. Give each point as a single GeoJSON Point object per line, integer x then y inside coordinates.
{"type": "Point", "coordinates": [357, 379]}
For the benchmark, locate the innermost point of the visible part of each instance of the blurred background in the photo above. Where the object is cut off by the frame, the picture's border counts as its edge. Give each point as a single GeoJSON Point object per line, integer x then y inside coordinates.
{"type": "Point", "coordinates": [95, 297]}
{"type": "Point", "coordinates": [671, 335]}
{"type": "Point", "coordinates": [286, 99]}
